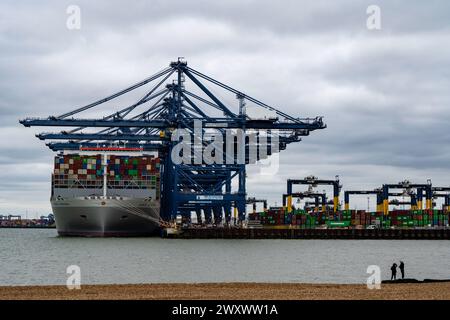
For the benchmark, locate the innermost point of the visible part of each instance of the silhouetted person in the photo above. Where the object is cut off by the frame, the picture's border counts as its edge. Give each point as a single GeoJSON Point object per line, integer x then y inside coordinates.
{"type": "Point", "coordinates": [394, 272]}
{"type": "Point", "coordinates": [402, 269]}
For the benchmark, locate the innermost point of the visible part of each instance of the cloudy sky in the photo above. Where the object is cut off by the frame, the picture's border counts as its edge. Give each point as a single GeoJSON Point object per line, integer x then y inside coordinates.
{"type": "Point", "coordinates": [384, 93]}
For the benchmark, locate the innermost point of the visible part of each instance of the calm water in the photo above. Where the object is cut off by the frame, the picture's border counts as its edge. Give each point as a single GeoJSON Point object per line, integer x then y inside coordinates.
{"type": "Point", "coordinates": [41, 257]}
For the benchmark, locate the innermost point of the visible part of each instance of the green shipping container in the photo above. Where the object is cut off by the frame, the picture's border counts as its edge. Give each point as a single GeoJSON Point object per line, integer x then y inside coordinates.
{"type": "Point", "coordinates": [338, 224]}
{"type": "Point", "coordinates": [132, 172]}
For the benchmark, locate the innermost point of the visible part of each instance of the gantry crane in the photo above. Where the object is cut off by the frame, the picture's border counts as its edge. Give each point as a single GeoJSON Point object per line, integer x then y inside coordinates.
{"type": "Point", "coordinates": [253, 201]}
{"type": "Point", "coordinates": [446, 196]}
{"type": "Point", "coordinates": [320, 199]}
{"type": "Point", "coordinates": [408, 186]}
{"type": "Point", "coordinates": [180, 99]}
{"type": "Point", "coordinates": [377, 192]}
{"type": "Point", "coordinates": [379, 197]}
{"type": "Point", "coordinates": [313, 182]}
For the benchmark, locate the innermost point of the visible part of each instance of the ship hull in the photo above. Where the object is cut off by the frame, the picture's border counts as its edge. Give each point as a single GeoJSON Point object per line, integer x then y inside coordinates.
{"type": "Point", "coordinates": [99, 217]}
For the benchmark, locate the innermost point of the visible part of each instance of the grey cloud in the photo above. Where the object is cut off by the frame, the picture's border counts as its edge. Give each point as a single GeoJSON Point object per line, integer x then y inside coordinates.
{"type": "Point", "coordinates": [384, 94]}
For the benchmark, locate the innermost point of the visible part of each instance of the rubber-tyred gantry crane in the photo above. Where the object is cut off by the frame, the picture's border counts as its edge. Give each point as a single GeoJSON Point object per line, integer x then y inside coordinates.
{"type": "Point", "coordinates": [178, 98]}
{"type": "Point", "coordinates": [416, 201]}
{"type": "Point", "coordinates": [380, 200]}
{"type": "Point", "coordinates": [436, 194]}
{"type": "Point", "coordinates": [314, 182]}
{"type": "Point", "coordinates": [320, 199]}
{"type": "Point", "coordinates": [253, 201]}
{"type": "Point", "coordinates": [377, 192]}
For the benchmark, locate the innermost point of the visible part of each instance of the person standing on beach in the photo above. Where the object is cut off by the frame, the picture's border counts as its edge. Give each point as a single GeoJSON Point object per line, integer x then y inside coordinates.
{"type": "Point", "coordinates": [402, 269]}
{"type": "Point", "coordinates": [394, 272]}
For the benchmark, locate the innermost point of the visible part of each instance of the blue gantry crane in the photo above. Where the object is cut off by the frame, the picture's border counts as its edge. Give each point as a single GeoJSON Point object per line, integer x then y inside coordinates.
{"type": "Point", "coordinates": [320, 199]}
{"type": "Point", "coordinates": [181, 97]}
{"type": "Point", "coordinates": [416, 200]}
{"type": "Point", "coordinates": [313, 181]}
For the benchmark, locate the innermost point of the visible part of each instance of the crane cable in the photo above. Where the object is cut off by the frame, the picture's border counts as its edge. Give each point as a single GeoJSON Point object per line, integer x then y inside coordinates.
{"type": "Point", "coordinates": [117, 94]}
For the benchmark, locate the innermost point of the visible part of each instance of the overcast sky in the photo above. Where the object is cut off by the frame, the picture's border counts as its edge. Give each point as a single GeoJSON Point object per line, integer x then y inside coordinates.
{"type": "Point", "coordinates": [384, 94]}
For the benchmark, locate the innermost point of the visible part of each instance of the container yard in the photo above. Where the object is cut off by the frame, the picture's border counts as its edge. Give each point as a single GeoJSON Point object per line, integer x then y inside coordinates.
{"type": "Point", "coordinates": [129, 173]}
{"type": "Point", "coordinates": [323, 219]}
{"type": "Point", "coordinates": [16, 221]}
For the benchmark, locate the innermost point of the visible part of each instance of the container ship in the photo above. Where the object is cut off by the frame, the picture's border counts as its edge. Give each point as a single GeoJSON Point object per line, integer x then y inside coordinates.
{"type": "Point", "coordinates": [105, 194]}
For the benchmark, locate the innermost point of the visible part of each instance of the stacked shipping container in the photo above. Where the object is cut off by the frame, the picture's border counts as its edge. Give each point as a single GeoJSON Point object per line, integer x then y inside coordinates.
{"type": "Point", "coordinates": [419, 218]}
{"type": "Point", "coordinates": [86, 171]}
{"type": "Point", "coordinates": [352, 218]}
